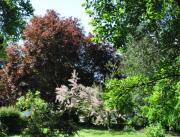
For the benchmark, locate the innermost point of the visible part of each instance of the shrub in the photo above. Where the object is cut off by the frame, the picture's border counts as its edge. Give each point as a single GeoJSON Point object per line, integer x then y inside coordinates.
{"type": "Point", "coordinates": [3, 133]}
{"type": "Point", "coordinates": [128, 128]}
{"type": "Point", "coordinates": [11, 120]}
{"type": "Point", "coordinates": [44, 120]}
{"type": "Point", "coordinates": [163, 104]}
{"type": "Point", "coordinates": [124, 96]}
{"type": "Point", "coordinates": [138, 122]}
{"type": "Point", "coordinates": [39, 112]}
{"type": "Point", "coordinates": [155, 131]}
{"type": "Point", "coordinates": [85, 101]}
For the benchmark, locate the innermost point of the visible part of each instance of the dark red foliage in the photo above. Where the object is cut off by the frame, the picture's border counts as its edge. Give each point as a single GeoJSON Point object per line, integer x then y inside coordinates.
{"type": "Point", "coordinates": [53, 48]}
{"type": "Point", "coordinates": [11, 74]}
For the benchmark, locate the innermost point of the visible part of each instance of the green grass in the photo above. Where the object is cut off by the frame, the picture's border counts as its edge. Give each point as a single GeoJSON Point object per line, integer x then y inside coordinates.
{"type": "Point", "coordinates": [106, 133]}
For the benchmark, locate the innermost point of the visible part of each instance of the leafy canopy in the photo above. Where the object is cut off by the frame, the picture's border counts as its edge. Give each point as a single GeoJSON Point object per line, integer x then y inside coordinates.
{"type": "Point", "coordinates": [147, 35]}
{"type": "Point", "coordinates": [13, 16]}
{"type": "Point", "coordinates": [113, 20]}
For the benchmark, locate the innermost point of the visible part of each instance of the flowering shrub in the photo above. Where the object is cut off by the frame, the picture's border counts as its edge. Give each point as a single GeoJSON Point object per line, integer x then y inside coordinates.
{"type": "Point", "coordinates": [87, 102]}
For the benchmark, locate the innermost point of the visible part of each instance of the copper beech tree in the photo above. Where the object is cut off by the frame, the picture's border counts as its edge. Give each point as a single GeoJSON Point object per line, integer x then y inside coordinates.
{"type": "Point", "coordinates": [54, 46]}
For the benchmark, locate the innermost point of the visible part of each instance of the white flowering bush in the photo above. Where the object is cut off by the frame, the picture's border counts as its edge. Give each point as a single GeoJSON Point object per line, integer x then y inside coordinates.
{"type": "Point", "coordinates": [85, 100]}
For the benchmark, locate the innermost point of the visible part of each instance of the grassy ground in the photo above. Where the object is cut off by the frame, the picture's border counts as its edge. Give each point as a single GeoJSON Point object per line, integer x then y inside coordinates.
{"type": "Point", "coordinates": [106, 133]}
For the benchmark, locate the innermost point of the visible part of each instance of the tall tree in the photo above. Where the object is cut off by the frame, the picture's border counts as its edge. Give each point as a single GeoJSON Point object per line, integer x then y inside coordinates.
{"type": "Point", "coordinates": [54, 47]}
{"type": "Point", "coordinates": [147, 32]}
{"type": "Point", "coordinates": [113, 20]}
{"type": "Point", "coordinates": [13, 16]}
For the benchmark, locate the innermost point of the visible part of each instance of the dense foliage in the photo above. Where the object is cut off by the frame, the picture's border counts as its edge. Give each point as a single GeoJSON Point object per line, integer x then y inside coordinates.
{"type": "Point", "coordinates": [13, 15]}
{"type": "Point", "coordinates": [147, 35]}
{"type": "Point", "coordinates": [13, 18]}
{"type": "Point", "coordinates": [136, 62]}
{"type": "Point", "coordinates": [155, 131]}
{"type": "Point", "coordinates": [85, 101]}
{"type": "Point", "coordinates": [113, 20]}
{"type": "Point", "coordinates": [43, 120]}
{"type": "Point", "coordinates": [54, 46]}
{"type": "Point", "coordinates": [11, 120]}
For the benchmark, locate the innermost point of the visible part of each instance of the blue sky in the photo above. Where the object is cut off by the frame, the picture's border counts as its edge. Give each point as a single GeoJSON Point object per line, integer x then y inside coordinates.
{"type": "Point", "coordinates": [66, 8]}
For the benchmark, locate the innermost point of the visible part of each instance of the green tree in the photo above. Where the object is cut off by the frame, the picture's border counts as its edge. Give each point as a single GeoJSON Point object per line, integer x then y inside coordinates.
{"type": "Point", "coordinates": [147, 33]}
{"type": "Point", "coordinates": [113, 20]}
{"type": "Point", "coordinates": [13, 16]}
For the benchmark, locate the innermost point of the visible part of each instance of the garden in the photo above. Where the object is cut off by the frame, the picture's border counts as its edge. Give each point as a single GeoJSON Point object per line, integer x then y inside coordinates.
{"type": "Point", "coordinates": [121, 80]}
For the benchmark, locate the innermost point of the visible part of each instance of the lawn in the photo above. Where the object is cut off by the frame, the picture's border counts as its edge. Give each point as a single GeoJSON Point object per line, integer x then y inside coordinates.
{"type": "Point", "coordinates": [106, 133]}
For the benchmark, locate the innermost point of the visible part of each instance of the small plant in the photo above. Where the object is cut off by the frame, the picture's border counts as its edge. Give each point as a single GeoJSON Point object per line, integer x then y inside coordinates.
{"type": "Point", "coordinates": [128, 128]}
{"type": "Point", "coordinates": [155, 131]}
{"type": "Point", "coordinates": [31, 102]}
{"type": "Point", "coordinates": [11, 120]}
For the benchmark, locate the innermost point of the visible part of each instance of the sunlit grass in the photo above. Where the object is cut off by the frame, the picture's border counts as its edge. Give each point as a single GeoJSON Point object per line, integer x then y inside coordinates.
{"type": "Point", "coordinates": [106, 133]}
{"type": "Point", "coordinates": [112, 133]}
